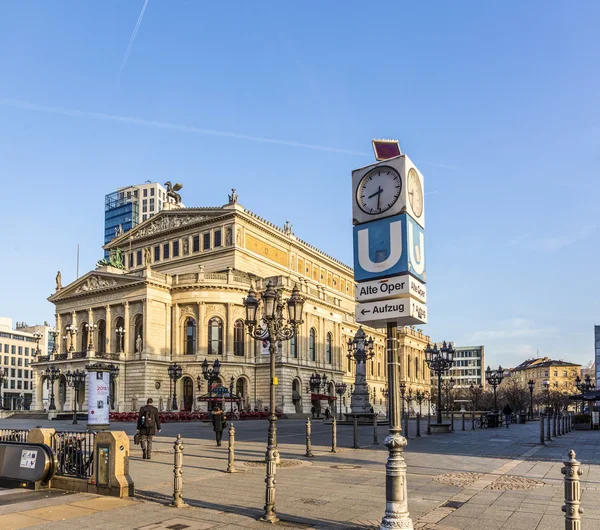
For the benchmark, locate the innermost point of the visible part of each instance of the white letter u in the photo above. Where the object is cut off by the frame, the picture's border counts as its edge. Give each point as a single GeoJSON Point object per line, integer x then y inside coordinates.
{"type": "Point", "coordinates": [364, 259]}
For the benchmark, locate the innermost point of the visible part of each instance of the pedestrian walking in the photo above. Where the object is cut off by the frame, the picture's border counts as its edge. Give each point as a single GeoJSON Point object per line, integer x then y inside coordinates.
{"type": "Point", "coordinates": [148, 425]}
{"type": "Point", "coordinates": [312, 409]}
{"type": "Point", "coordinates": [327, 413]}
{"type": "Point", "coordinates": [219, 423]}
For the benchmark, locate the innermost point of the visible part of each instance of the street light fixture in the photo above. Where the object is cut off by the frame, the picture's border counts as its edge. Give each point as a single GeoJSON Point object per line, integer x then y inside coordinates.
{"type": "Point", "coordinates": [76, 380]}
{"type": "Point", "coordinates": [494, 378]}
{"type": "Point", "coordinates": [360, 350]}
{"type": "Point", "coordinates": [120, 331]}
{"type": "Point", "coordinates": [71, 333]}
{"type": "Point", "coordinates": [272, 327]}
{"type": "Point", "coordinates": [37, 336]}
{"type": "Point", "coordinates": [420, 397]}
{"type": "Point", "coordinates": [175, 372]}
{"type": "Point", "coordinates": [231, 383]}
{"type": "Point", "coordinates": [402, 387]}
{"type": "Point", "coordinates": [583, 387]}
{"type": "Point", "coordinates": [531, 385]}
{"type": "Point", "coordinates": [211, 374]}
{"type": "Point", "coordinates": [52, 374]}
{"type": "Point", "coordinates": [54, 333]}
{"type": "Point", "coordinates": [340, 390]}
{"type": "Point", "coordinates": [440, 361]}
{"type": "Point", "coordinates": [90, 328]}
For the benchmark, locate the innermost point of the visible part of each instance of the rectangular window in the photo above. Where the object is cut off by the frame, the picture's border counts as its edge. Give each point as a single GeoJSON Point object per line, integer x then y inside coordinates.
{"type": "Point", "coordinates": [157, 253]}
{"type": "Point", "coordinates": [12, 372]}
{"type": "Point", "coordinates": [20, 374]}
{"type": "Point", "coordinates": [13, 349]}
{"type": "Point", "coordinates": [138, 257]}
{"type": "Point", "coordinates": [175, 249]}
{"type": "Point", "coordinates": [19, 384]}
{"type": "Point", "coordinates": [206, 241]}
{"type": "Point", "coordinates": [26, 374]}
{"type": "Point", "coordinates": [151, 192]}
{"type": "Point", "coordinates": [217, 238]}
{"type": "Point", "coordinates": [131, 260]}
{"type": "Point", "coordinates": [6, 360]}
{"type": "Point", "coordinates": [26, 385]}
{"type": "Point", "coordinates": [145, 193]}
{"type": "Point", "coordinates": [26, 362]}
{"type": "Point", "coordinates": [6, 348]}
{"type": "Point", "coordinates": [27, 351]}
{"type": "Point", "coordinates": [135, 193]}
{"type": "Point", "coordinates": [20, 361]}
{"type": "Point", "coordinates": [12, 385]}
{"type": "Point", "coordinates": [20, 350]}
{"type": "Point", "coordinates": [196, 244]}
{"type": "Point", "coordinates": [166, 251]}
{"type": "Point", "coordinates": [151, 205]}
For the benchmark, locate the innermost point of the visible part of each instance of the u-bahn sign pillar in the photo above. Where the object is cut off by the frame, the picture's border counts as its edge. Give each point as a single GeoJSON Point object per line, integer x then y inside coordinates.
{"type": "Point", "coordinates": [388, 213]}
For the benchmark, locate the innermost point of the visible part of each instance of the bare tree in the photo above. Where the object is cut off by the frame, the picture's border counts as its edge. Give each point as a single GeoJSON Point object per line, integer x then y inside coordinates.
{"type": "Point", "coordinates": [514, 394]}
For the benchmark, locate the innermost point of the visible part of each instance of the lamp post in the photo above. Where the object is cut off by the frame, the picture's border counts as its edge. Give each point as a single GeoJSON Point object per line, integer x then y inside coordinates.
{"type": "Point", "coordinates": [52, 374]}
{"type": "Point", "coordinates": [385, 393]}
{"type": "Point", "coordinates": [531, 385]}
{"type": "Point", "coordinates": [584, 386]}
{"type": "Point", "coordinates": [340, 390]}
{"type": "Point", "coordinates": [448, 385]}
{"type": "Point", "coordinates": [494, 378]}
{"type": "Point", "coordinates": [271, 326]}
{"type": "Point", "coordinates": [360, 350]}
{"type": "Point", "coordinates": [120, 331]}
{"type": "Point", "coordinates": [547, 388]}
{"type": "Point", "coordinates": [476, 391]}
{"type": "Point", "coordinates": [113, 370]}
{"type": "Point", "coordinates": [54, 333]}
{"type": "Point", "coordinates": [76, 380]}
{"type": "Point", "coordinates": [175, 372]}
{"type": "Point", "coordinates": [37, 336]}
{"type": "Point", "coordinates": [439, 360]}
{"type": "Point", "coordinates": [90, 328]}
{"type": "Point", "coordinates": [71, 333]}
{"type": "Point", "coordinates": [316, 383]}
{"type": "Point", "coordinates": [402, 387]}
{"type": "Point", "coordinates": [231, 383]}
{"type": "Point", "coordinates": [211, 374]}
{"type": "Point", "coordinates": [3, 377]}
{"type": "Point", "coordinates": [420, 397]}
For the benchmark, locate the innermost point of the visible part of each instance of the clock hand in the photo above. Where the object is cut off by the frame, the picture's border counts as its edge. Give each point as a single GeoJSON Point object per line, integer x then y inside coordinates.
{"type": "Point", "coordinates": [378, 192]}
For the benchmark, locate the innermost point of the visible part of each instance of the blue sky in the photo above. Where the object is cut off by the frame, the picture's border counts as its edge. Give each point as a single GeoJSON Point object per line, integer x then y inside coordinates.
{"type": "Point", "coordinates": [496, 103]}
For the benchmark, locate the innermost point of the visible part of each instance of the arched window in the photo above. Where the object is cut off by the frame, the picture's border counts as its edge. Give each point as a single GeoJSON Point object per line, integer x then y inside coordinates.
{"type": "Point", "coordinates": [120, 335]}
{"type": "Point", "coordinates": [238, 338]}
{"type": "Point", "coordinates": [190, 336]}
{"type": "Point", "coordinates": [378, 369]}
{"type": "Point", "coordinates": [101, 346]}
{"type": "Point", "coordinates": [84, 336]}
{"type": "Point", "coordinates": [293, 348]}
{"type": "Point", "coordinates": [328, 341]}
{"type": "Point", "coordinates": [215, 336]}
{"type": "Point", "coordinates": [349, 365]}
{"type": "Point", "coordinates": [372, 367]}
{"type": "Point", "coordinates": [312, 347]}
{"type": "Point", "coordinates": [417, 368]}
{"type": "Point", "coordinates": [408, 366]}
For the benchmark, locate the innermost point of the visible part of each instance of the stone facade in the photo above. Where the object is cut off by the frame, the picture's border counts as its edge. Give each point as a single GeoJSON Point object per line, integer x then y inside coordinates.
{"type": "Point", "coordinates": [180, 299]}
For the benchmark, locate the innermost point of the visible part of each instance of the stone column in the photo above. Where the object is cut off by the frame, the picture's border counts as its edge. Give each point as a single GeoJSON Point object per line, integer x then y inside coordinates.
{"type": "Point", "coordinates": [108, 333]}
{"type": "Point", "coordinates": [228, 332]}
{"type": "Point", "coordinates": [145, 320]}
{"type": "Point", "coordinates": [202, 335]}
{"type": "Point", "coordinates": [74, 337]}
{"type": "Point", "coordinates": [59, 346]}
{"type": "Point", "coordinates": [128, 330]}
{"type": "Point", "coordinates": [91, 351]}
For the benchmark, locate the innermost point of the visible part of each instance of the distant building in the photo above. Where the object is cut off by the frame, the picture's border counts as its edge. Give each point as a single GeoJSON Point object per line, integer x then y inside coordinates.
{"type": "Point", "coordinates": [597, 351]}
{"type": "Point", "coordinates": [127, 207]}
{"type": "Point", "coordinates": [17, 352]}
{"type": "Point", "coordinates": [560, 375]}
{"type": "Point", "coordinates": [468, 367]}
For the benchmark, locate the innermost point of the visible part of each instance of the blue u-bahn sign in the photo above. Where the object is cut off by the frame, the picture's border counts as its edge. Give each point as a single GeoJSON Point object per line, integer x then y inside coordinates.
{"type": "Point", "coordinates": [389, 247]}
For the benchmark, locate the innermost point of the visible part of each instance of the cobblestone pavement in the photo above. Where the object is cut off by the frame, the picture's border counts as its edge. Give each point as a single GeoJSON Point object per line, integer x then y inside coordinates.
{"type": "Point", "coordinates": [483, 479]}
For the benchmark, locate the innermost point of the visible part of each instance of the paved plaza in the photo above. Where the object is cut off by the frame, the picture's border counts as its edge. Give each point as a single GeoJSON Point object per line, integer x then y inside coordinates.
{"type": "Point", "coordinates": [492, 479]}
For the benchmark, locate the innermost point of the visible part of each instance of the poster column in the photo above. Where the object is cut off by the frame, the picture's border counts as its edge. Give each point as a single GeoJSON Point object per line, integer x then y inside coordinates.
{"type": "Point", "coordinates": [99, 398]}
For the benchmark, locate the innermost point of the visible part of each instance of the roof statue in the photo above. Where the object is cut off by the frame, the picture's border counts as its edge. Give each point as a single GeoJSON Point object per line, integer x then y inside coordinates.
{"type": "Point", "coordinates": [115, 259]}
{"type": "Point", "coordinates": [287, 228]}
{"type": "Point", "coordinates": [233, 198]}
{"type": "Point", "coordinates": [172, 191]}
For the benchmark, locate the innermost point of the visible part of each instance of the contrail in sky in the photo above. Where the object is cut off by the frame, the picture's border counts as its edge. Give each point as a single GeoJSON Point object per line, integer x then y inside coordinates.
{"type": "Point", "coordinates": [132, 39]}
{"type": "Point", "coordinates": [15, 103]}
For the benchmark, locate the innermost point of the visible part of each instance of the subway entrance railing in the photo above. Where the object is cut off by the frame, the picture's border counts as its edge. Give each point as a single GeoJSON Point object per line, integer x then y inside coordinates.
{"type": "Point", "coordinates": [74, 453]}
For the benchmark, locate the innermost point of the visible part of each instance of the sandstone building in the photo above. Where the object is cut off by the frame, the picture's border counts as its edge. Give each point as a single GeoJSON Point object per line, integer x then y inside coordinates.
{"type": "Point", "coordinates": [179, 298]}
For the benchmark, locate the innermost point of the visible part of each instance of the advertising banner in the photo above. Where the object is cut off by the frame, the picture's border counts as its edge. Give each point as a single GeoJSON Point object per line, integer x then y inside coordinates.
{"type": "Point", "coordinates": [98, 405]}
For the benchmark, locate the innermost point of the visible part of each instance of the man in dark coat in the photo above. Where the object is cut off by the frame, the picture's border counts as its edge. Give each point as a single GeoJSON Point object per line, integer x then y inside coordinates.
{"type": "Point", "coordinates": [148, 425]}
{"type": "Point", "coordinates": [218, 421]}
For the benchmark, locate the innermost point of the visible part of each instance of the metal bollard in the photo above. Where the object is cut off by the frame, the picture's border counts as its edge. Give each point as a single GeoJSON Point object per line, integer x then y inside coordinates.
{"type": "Point", "coordinates": [572, 507]}
{"type": "Point", "coordinates": [429, 422]}
{"type": "Point", "coordinates": [334, 436]}
{"type": "Point", "coordinates": [542, 430]}
{"type": "Point", "coordinates": [406, 425]}
{"type": "Point", "coordinates": [570, 422]}
{"type": "Point", "coordinates": [507, 419]}
{"type": "Point", "coordinates": [554, 425]}
{"type": "Point", "coordinates": [548, 438]}
{"type": "Point", "coordinates": [418, 424]}
{"type": "Point", "coordinates": [178, 473]}
{"type": "Point", "coordinates": [452, 421]}
{"type": "Point", "coordinates": [375, 442]}
{"type": "Point", "coordinates": [463, 421]}
{"type": "Point", "coordinates": [230, 450]}
{"type": "Point", "coordinates": [557, 420]}
{"type": "Point", "coordinates": [355, 444]}
{"type": "Point", "coordinates": [308, 432]}
{"type": "Point", "coordinates": [472, 420]}
{"type": "Point", "coordinates": [564, 423]}
{"type": "Point", "coordinates": [561, 431]}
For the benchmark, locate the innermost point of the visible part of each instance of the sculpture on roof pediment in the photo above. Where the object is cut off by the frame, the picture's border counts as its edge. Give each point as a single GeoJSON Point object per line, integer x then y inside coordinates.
{"type": "Point", "coordinates": [115, 259]}
{"type": "Point", "coordinates": [172, 190]}
{"type": "Point", "coordinates": [95, 282]}
{"type": "Point", "coordinates": [166, 223]}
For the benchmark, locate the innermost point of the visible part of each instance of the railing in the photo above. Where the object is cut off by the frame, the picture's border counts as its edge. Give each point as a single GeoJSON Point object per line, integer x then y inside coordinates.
{"type": "Point", "coordinates": [109, 356]}
{"type": "Point", "coordinates": [42, 358]}
{"type": "Point", "coordinates": [79, 355]}
{"type": "Point", "coordinates": [61, 356]}
{"type": "Point", "coordinates": [13, 435]}
{"type": "Point", "coordinates": [75, 453]}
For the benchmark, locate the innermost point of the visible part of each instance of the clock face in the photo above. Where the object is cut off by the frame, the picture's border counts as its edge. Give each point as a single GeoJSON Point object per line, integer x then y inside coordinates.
{"type": "Point", "coordinates": [415, 192]}
{"type": "Point", "coordinates": [378, 190]}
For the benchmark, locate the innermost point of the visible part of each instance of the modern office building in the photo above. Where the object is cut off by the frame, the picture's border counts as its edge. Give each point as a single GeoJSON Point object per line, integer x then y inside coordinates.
{"type": "Point", "coordinates": [18, 348]}
{"type": "Point", "coordinates": [127, 207]}
{"type": "Point", "coordinates": [468, 367]}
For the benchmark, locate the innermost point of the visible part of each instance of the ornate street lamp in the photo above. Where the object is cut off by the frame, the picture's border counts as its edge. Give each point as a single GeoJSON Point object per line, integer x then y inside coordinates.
{"type": "Point", "coordinates": [175, 373]}
{"type": "Point", "coordinates": [76, 380]}
{"type": "Point", "coordinates": [494, 378]}
{"type": "Point", "coordinates": [113, 370]}
{"type": "Point", "coordinates": [360, 350]}
{"type": "Point", "coordinates": [402, 387]}
{"type": "Point", "coordinates": [547, 388]}
{"type": "Point", "coordinates": [316, 383]}
{"type": "Point", "coordinates": [531, 385]}
{"type": "Point", "coordinates": [37, 336]}
{"type": "Point", "coordinates": [3, 376]}
{"type": "Point", "coordinates": [52, 374]}
{"type": "Point", "coordinates": [448, 385]}
{"type": "Point", "coordinates": [71, 333]}
{"type": "Point", "coordinates": [90, 328]}
{"type": "Point", "coordinates": [386, 394]}
{"type": "Point", "coordinates": [231, 383]}
{"type": "Point", "coordinates": [420, 397]}
{"type": "Point", "coordinates": [439, 361]}
{"type": "Point", "coordinates": [272, 327]}
{"type": "Point", "coordinates": [476, 391]}
{"type": "Point", "coordinates": [54, 333]}
{"type": "Point", "coordinates": [340, 390]}
{"type": "Point", "coordinates": [211, 374]}
{"type": "Point", "coordinates": [120, 331]}
{"type": "Point", "coordinates": [583, 387]}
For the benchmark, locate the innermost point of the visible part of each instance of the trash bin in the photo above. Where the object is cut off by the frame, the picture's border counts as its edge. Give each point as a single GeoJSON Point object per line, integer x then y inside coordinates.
{"type": "Point", "coordinates": [521, 417]}
{"type": "Point", "coordinates": [492, 419]}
